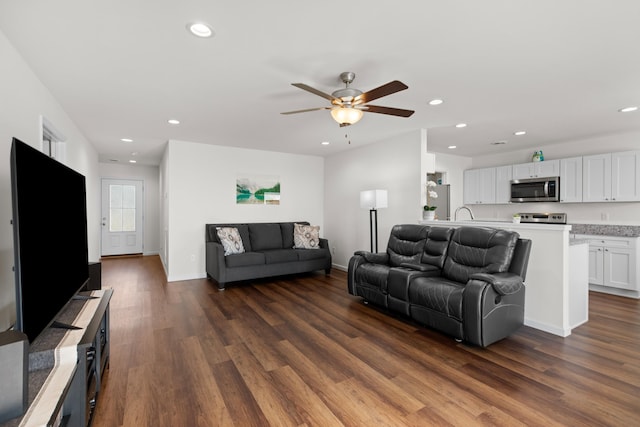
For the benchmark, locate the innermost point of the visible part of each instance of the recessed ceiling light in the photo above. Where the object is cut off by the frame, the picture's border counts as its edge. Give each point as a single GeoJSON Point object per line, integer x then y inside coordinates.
{"type": "Point", "coordinates": [436, 102]}
{"type": "Point", "coordinates": [461, 125]}
{"type": "Point", "coordinates": [132, 161]}
{"type": "Point", "coordinates": [134, 153]}
{"type": "Point", "coordinates": [451, 147]}
{"type": "Point", "coordinates": [325, 143]}
{"type": "Point", "coordinates": [520, 133]}
{"type": "Point", "coordinates": [499, 143]}
{"type": "Point", "coordinates": [173, 122]}
{"type": "Point", "coordinates": [627, 109]}
{"type": "Point", "coordinates": [126, 140]}
{"type": "Point", "coordinates": [200, 30]}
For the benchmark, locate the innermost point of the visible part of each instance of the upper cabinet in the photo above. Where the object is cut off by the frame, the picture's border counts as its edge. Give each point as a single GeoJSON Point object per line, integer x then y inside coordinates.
{"type": "Point", "coordinates": [611, 177]}
{"type": "Point", "coordinates": [504, 175]}
{"type": "Point", "coordinates": [625, 176]}
{"type": "Point", "coordinates": [479, 186]}
{"type": "Point", "coordinates": [536, 169]}
{"type": "Point", "coordinates": [571, 180]}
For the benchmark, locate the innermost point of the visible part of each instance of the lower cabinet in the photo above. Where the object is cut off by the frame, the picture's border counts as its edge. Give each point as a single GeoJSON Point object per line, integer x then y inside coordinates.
{"type": "Point", "coordinates": [64, 389]}
{"type": "Point", "coordinates": [93, 359]}
{"type": "Point", "coordinates": [613, 264]}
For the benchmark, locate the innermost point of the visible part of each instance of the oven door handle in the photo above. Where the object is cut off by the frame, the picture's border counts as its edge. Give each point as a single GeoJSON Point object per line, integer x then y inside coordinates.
{"type": "Point", "coordinates": [546, 188]}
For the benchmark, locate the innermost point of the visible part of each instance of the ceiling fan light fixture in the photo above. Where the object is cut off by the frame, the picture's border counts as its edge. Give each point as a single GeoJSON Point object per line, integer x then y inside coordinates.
{"type": "Point", "coordinates": [346, 115]}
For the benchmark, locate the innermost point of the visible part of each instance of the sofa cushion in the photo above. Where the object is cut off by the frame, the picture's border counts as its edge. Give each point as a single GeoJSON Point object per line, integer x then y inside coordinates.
{"type": "Point", "coordinates": [307, 254]}
{"type": "Point", "coordinates": [406, 243]}
{"type": "Point", "coordinates": [435, 248]}
{"type": "Point", "coordinates": [478, 250]}
{"type": "Point", "coordinates": [287, 233]}
{"type": "Point", "coordinates": [243, 229]}
{"type": "Point", "coordinates": [273, 256]}
{"type": "Point", "coordinates": [438, 294]}
{"type": "Point", "coordinates": [245, 259]}
{"type": "Point", "coordinates": [231, 240]}
{"type": "Point", "coordinates": [306, 236]}
{"type": "Point", "coordinates": [265, 236]}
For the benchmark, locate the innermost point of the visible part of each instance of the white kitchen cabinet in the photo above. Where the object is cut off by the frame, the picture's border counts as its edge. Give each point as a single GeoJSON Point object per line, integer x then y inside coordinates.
{"type": "Point", "coordinates": [536, 169]}
{"type": "Point", "coordinates": [625, 176]}
{"type": "Point", "coordinates": [503, 184]}
{"type": "Point", "coordinates": [571, 180]}
{"type": "Point", "coordinates": [479, 186]}
{"type": "Point", "coordinates": [613, 264]}
{"type": "Point", "coordinates": [611, 177]}
{"type": "Point", "coordinates": [596, 178]}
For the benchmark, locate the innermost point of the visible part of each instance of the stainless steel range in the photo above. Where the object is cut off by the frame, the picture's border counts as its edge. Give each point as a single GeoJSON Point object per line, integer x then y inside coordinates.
{"type": "Point", "coordinates": [544, 218]}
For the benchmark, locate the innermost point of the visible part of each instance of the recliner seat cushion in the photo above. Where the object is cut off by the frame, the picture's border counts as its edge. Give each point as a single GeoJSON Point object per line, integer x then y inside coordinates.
{"type": "Point", "coordinates": [438, 294]}
{"type": "Point", "coordinates": [478, 250]}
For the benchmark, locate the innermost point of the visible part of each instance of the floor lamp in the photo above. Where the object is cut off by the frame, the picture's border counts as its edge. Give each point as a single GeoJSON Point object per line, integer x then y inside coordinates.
{"type": "Point", "coordinates": [373, 200]}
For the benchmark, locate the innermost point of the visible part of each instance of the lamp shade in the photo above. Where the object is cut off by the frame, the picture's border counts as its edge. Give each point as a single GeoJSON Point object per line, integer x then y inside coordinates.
{"type": "Point", "coordinates": [346, 115]}
{"type": "Point", "coordinates": [373, 199]}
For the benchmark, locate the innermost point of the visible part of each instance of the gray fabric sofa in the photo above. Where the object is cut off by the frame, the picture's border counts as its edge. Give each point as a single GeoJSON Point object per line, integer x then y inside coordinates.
{"type": "Point", "coordinates": [467, 282]}
{"type": "Point", "coordinates": [268, 252]}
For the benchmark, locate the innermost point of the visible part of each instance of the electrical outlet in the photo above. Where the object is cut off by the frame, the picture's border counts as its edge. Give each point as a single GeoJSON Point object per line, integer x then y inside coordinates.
{"type": "Point", "coordinates": [333, 250]}
{"type": "Point", "coordinates": [604, 216]}
{"type": "Point", "coordinates": [193, 257]}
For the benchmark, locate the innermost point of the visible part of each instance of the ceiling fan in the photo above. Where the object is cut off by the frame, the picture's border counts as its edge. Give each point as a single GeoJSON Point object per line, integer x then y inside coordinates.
{"type": "Point", "coordinates": [349, 105]}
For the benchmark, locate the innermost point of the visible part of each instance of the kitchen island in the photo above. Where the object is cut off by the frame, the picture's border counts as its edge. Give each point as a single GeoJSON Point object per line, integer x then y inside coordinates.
{"type": "Point", "coordinates": [557, 283]}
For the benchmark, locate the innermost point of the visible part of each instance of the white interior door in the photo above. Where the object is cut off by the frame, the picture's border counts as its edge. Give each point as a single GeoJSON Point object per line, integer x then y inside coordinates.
{"type": "Point", "coordinates": [122, 217]}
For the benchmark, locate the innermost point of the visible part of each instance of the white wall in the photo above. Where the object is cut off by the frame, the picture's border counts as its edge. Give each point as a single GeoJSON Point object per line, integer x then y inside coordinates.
{"type": "Point", "coordinates": [150, 177]}
{"type": "Point", "coordinates": [392, 165]}
{"type": "Point", "coordinates": [617, 213]}
{"type": "Point", "coordinates": [454, 167]}
{"type": "Point", "coordinates": [23, 101]}
{"type": "Point", "coordinates": [199, 183]}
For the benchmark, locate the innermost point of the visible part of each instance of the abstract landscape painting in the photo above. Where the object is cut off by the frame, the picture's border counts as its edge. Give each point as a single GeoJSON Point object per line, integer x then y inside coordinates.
{"type": "Point", "coordinates": [258, 190]}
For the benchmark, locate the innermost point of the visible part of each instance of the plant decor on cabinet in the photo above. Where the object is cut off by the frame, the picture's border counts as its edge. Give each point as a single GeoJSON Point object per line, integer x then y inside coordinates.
{"type": "Point", "coordinates": [429, 209]}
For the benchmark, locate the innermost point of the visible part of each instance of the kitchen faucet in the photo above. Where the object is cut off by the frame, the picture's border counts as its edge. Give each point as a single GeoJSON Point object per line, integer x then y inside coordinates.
{"type": "Point", "coordinates": [455, 215]}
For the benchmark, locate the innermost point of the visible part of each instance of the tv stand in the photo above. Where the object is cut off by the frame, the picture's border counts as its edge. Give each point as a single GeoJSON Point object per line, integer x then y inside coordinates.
{"type": "Point", "coordinates": [61, 325]}
{"type": "Point", "coordinates": [66, 366]}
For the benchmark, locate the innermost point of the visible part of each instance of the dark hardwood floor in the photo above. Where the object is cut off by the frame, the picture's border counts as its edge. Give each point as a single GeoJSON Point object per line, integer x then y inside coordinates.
{"type": "Point", "coordinates": [301, 351]}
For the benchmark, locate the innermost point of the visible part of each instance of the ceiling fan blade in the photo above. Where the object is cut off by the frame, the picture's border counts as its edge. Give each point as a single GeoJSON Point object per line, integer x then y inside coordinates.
{"type": "Point", "coordinates": [379, 92]}
{"type": "Point", "coordinates": [306, 110]}
{"type": "Point", "coordinates": [388, 110]}
{"type": "Point", "coordinates": [315, 91]}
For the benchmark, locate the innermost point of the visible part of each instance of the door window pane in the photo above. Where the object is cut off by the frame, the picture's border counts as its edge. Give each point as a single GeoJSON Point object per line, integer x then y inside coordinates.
{"type": "Point", "coordinates": [122, 207]}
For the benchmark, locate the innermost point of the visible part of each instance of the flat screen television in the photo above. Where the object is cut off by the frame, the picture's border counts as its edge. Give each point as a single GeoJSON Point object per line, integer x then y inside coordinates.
{"type": "Point", "coordinates": [49, 235]}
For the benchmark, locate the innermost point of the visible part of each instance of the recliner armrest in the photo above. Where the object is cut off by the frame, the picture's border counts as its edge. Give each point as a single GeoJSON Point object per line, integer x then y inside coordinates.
{"type": "Point", "coordinates": [419, 267]}
{"type": "Point", "coordinates": [503, 283]}
{"type": "Point", "coordinates": [376, 258]}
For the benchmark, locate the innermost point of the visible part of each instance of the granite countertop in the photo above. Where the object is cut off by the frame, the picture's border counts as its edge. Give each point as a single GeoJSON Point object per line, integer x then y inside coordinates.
{"type": "Point", "coordinates": [606, 230]}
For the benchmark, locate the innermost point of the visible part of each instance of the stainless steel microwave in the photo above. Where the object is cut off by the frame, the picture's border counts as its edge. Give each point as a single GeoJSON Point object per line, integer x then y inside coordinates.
{"type": "Point", "coordinates": [535, 190]}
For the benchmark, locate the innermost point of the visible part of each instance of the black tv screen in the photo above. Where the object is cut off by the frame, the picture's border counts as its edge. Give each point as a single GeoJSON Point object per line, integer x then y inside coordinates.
{"type": "Point", "coordinates": [50, 236]}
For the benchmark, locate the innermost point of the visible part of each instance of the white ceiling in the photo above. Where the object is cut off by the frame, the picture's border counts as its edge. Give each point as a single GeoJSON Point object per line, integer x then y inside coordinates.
{"type": "Point", "coordinates": [559, 69]}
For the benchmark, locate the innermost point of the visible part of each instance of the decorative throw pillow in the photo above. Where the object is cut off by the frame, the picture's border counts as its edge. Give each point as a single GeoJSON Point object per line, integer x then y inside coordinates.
{"type": "Point", "coordinates": [306, 236]}
{"type": "Point", "coordinates": [231, 240]}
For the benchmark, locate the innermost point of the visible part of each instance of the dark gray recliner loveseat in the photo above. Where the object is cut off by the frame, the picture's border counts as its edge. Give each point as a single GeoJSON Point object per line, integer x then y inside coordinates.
{"type": "Point", "coordinates": [467, 282]}
{"type": "Point", "coordinates": [268, 252]}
